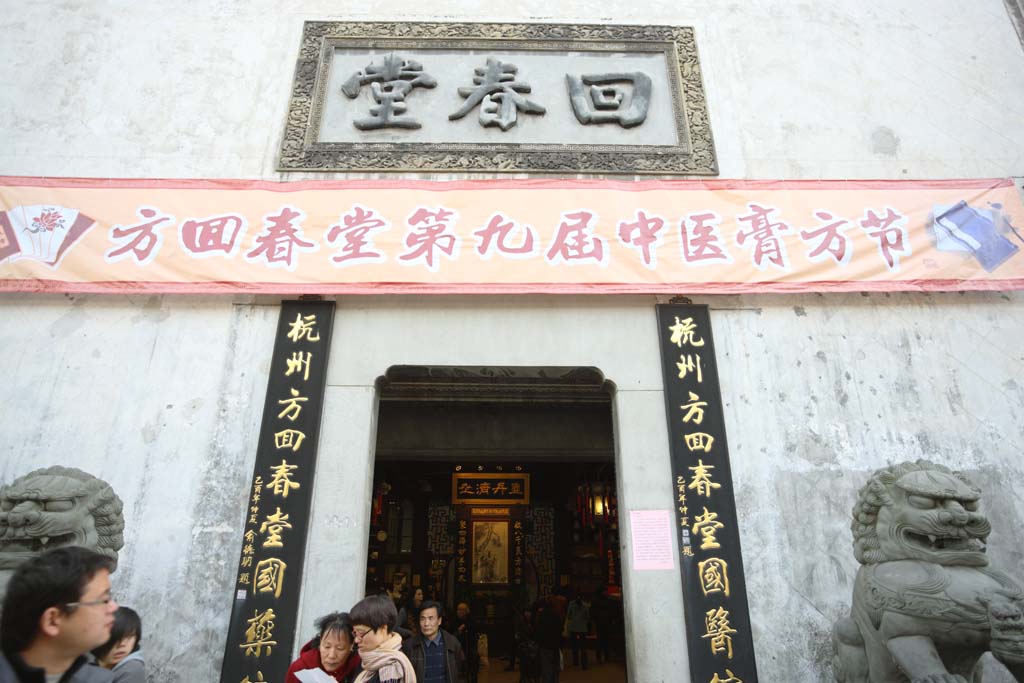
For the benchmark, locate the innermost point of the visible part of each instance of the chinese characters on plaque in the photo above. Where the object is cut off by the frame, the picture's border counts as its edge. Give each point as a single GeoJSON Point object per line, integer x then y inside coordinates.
{"type": "Point", "coordinates": [483, 488]}
{"type": "Point", "coordinates": [462, 551]}
{"type": "Point", "coordinates": [714, 590]}
{"type": "Point", "coordinates": [397, 96]}
{"type": "Point", "coordinates": [499, 93]}
{"type": "Point", "coordinates": [269, 571]}
{"type": "Point", "coordinates": [491, 523]}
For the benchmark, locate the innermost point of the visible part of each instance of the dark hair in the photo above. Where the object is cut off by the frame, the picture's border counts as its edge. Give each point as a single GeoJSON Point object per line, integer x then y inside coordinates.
{"type": "Point", "coordinates": [52, 579]}
{"type": "Point", "coordinates": [126, 623]}
{"type": "Point", "coordinates": [411, 602]}
{"type": "Point", "coordinates": [335, 622]}
{"type": "Point", "coordinates": [427, 604]}
{"type": "Point", "coordinates": [375, 611]}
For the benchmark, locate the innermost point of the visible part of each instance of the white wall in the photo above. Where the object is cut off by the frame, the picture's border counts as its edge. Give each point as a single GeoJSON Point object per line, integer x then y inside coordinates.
{"type": "Point", "coordinates": [161, 397]}
{"type": "Point", "coordinates": [823, 89]}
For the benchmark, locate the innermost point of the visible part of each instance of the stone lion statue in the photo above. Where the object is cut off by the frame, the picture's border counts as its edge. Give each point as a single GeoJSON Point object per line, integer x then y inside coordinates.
{"type": "Point", "coordinates": [58, 506]}
{"type": "Point", "coordinates": [927, 608]}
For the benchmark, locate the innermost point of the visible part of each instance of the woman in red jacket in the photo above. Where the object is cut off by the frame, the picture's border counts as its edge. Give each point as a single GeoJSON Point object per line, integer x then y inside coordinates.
{"type": "Point", "coordinates": [331, 650]}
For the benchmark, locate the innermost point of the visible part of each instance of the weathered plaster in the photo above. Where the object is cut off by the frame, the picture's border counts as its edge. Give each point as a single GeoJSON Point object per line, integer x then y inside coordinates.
{"type": "Point", "coordinates": [795, 89]}
{"type": "Point", "coordinates": [161, 397]}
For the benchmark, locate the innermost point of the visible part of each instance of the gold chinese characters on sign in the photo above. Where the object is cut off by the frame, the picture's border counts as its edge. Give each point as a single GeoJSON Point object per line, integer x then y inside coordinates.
{"type": "Point", "coordinates": [476, 488]}
{"type": "Point", "coordinates": [716, 602]}
{"type": "Point", "coordinates": [270, 564]}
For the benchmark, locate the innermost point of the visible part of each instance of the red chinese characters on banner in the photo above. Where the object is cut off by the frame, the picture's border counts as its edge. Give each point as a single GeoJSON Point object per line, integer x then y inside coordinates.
{"type": "Point", "coordinates": [768, 248]}
{"type": "Point", "coordinates": [701, 240]}
{"type": "Point", "coordinates": [828, 241]}
{"type": "Point", "coordinates": [575, 241]}
{"type": "Point", "coordinates": [496, 237]}
{"type": "Point", "coordinates": [890, 231]}
{"type": "Point", "coordinates": [141, 241]}
{"type": "Point", "coordinates": [282, 238]}
{"type": "Point", "coordinates": [212, 236]}
{"type": "Point", "coordinates": [434, 234]}
{"type": "Point", "coordinates": [353, 237]}
{"type": "Point", "coordinates": [644, 235]}
{"type": "Point", "coordinates": [430, 235]}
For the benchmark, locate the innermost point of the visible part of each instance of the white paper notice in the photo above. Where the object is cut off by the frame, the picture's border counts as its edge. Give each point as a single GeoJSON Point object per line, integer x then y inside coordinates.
{"type": "Point", "coordinates": [652, 539]}
{"type": "Point", "coordinates": [314, 676]}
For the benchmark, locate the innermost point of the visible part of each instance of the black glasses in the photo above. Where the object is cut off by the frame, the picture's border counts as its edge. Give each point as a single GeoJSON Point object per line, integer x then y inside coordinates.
{"type": "Point", "coordinates": [89, 603]}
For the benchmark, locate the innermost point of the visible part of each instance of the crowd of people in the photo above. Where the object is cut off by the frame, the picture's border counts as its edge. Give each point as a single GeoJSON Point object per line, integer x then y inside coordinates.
{"type": "Point", "coordinates": [378, 641]}
{"type": "Point", "coordinates": [60, 623]}
{"type": "Point", "coordinates": [408, 639]}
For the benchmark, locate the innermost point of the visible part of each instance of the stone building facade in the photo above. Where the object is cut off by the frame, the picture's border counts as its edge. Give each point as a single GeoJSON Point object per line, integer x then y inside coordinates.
{"type": "Point", "coordinates": [161, 395]}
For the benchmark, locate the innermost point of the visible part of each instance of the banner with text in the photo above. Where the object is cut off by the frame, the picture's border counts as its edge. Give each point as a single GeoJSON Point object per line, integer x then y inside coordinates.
{"type": "Point", "coordinates": [510, 236]}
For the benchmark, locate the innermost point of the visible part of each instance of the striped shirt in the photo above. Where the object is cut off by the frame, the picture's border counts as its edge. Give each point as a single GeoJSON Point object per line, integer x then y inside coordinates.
{"type": "Point", "coordinates": [434, 664]}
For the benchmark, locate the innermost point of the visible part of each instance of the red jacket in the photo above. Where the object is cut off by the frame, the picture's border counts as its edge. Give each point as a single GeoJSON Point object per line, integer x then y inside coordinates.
{"type": "Point", "coordinates": [309, 658]}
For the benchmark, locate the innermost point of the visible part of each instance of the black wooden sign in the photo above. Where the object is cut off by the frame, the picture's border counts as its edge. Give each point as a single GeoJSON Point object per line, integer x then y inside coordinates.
{"type": "Point", "coordinates": [718, 633]}
{"type": "Point", "coordinates": [269, 576]}
{"type": "Point", "coordinates": [474, 488]}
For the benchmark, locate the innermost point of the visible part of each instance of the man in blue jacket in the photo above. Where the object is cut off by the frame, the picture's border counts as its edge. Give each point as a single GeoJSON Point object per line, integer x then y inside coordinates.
{"type": "Point", "coordinates": [435, 654]}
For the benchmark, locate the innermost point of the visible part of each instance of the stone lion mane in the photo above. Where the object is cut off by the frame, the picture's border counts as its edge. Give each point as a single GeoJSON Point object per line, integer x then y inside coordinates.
{"type": "Point", "coordinates": [873, 496]}
{"type": "Point", "coordinates": [103, 504]}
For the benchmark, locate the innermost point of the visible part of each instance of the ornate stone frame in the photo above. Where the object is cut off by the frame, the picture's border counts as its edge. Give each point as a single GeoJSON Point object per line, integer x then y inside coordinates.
{"type": "Point", "coordinates": [695, 155]}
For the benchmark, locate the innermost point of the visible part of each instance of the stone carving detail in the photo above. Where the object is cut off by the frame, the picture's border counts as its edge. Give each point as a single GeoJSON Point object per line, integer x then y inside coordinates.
{"type": "Point", "coordinates": [926, 605]}
{"type": "Point", "coordinates": [389, 83]}
{"type": "Point", "coordinates": [300, 151]}
{"type": "Point", "coordinates": [498, 95]}
{"type": "Point", "coordinates": [54, 507]}
{"type": "Point", "coordinates": [604, 98]}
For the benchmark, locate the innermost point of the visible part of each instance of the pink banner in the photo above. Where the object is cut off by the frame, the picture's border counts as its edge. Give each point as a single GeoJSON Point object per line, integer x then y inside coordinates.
{"type": "Point", "coordinates": [511, 236]}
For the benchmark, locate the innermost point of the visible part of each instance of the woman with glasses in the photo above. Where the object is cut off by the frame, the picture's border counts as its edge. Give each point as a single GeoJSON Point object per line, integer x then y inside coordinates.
{"type": "Point", "coordinates": [331, 651]}
{"type": "Point", "coordinates": [121, 652]}
{"type": "Point", "coordinates": [380, 647]}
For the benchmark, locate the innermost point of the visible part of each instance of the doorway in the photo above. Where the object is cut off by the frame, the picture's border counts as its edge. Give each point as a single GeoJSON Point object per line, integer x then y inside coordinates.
{"type": "Point", "coordinates": [496, 488]}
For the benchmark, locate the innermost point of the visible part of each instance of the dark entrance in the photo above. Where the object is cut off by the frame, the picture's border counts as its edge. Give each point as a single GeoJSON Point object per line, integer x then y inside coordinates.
{"type": "Point", "coordinates": [496, 487]}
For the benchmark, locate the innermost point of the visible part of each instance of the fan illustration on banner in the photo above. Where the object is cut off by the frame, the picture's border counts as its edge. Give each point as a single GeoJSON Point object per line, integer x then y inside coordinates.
{"type": "Point", "coordinates": [982, 233]}
{"type": "Point", "coordinates": [44, 232]}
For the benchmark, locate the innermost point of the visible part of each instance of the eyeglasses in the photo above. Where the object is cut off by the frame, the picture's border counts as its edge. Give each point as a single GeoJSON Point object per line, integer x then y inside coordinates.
{"type": "Point", "coordinates": [359, 635]}
{"type": "Point", "coordinates": [90, 603]}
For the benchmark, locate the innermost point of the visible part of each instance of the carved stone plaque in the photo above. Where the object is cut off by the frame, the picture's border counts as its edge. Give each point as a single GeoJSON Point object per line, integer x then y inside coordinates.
{"type": "Point", "coordinates": [541, 98]}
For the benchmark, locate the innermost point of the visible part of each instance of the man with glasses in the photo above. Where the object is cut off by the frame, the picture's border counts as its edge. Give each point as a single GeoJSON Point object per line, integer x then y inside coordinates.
{"type": "Point", "coordinates": [57, 608]}
{"type": "Point", "coordinates": [436, 655]}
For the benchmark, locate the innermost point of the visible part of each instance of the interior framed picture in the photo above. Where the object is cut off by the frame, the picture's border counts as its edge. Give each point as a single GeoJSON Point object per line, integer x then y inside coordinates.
{"type": "Point", "coordinates": [490, 552]}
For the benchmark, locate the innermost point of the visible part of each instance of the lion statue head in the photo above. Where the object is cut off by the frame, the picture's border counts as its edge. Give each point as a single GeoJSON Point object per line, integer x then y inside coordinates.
{"type": "Point", "coordinates": [920, 511]}
{"type": "Point", "coordinates": [58, 506]}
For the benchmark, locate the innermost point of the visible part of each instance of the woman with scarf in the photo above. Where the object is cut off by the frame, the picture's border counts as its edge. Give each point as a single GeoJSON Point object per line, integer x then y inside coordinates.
{"type": "Point", "coordinates": [380, 647]}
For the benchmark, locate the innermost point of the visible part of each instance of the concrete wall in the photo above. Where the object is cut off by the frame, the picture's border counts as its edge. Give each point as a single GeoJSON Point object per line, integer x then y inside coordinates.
{"type": "Point", "coordinates": [837, 89]}
{"type": "Point", "coordinates": [161, 396]}
{"type": "Point", "coordinates": [162, 399]}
